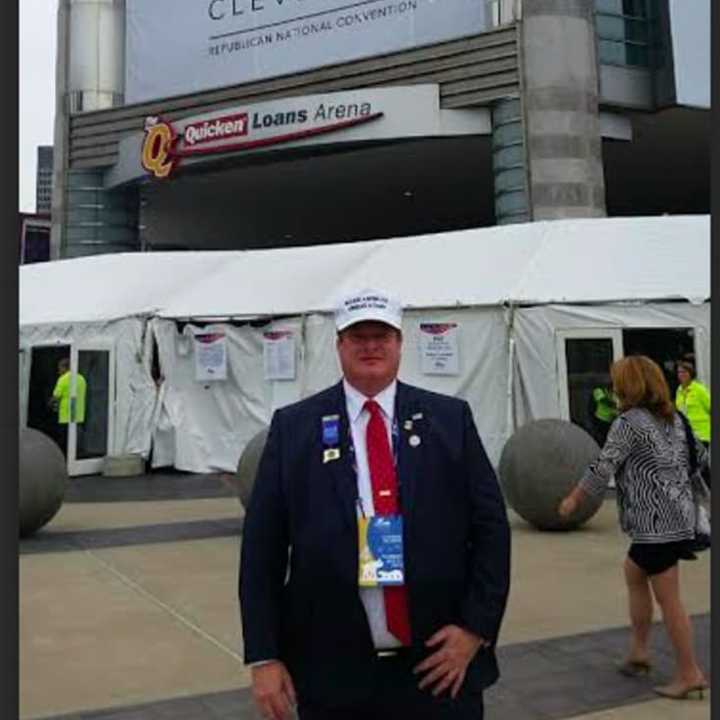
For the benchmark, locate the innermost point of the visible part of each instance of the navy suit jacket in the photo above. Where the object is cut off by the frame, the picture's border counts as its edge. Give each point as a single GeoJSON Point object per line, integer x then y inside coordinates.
{"type": "Point", "coordinates": [299, 561]}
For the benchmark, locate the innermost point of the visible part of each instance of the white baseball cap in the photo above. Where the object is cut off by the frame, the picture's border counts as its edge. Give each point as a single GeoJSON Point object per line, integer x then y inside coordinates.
{"type": "Point", "coordinates": [368, 304]}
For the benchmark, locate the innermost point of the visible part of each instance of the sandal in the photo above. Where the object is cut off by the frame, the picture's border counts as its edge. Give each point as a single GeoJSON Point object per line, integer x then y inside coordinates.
{"type": "Point", "coordinates": [682, 692]}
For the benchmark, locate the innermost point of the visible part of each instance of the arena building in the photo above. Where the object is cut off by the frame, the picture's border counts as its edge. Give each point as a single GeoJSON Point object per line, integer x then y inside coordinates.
{"type": "Point", "coordinates": [234, 124]}
{"type": "Point", "coordinates": [463, 154]}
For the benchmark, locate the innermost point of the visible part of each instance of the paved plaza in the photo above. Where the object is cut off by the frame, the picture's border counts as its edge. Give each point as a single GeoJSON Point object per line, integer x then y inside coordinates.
{"type": "Point", "coordinates": [128, 611]}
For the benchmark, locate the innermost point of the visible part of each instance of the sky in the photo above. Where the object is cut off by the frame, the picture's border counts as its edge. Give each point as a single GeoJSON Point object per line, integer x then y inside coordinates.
{"type": "Point", "coordinates": [37, 27]}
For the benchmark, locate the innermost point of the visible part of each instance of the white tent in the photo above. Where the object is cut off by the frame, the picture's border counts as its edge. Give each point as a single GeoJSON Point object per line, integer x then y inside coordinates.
{"type": "Point", "coordinates": [517, 293]}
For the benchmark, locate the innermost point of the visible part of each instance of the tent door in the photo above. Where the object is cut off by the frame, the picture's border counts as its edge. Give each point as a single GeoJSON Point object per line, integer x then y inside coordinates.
{"type": "Point", "coordinates": [40, 368]}
{"type": "Point", "coordinates": [584, 359]}
{"type": "Point", "coordinates": [92, 404]}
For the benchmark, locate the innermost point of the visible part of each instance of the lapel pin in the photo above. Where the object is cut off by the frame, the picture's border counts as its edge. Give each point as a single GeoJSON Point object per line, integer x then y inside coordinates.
{"type": "Point", "coordinates": [331, 454]}
{"type": "Point", "coordinates": [407, 425]}
{"type": "Point", "coordinates": [330, 430]}
{"type": "Point", "coordinates": [414, 440]}
{"type": "Point", "coordinates": [417, 416]}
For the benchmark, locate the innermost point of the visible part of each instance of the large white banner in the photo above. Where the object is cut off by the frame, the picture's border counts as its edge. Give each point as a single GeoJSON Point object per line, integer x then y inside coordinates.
{"type": "Point", "coordinates": [690, 29]}
{"type": "Point", "coordinates": [176, 47]}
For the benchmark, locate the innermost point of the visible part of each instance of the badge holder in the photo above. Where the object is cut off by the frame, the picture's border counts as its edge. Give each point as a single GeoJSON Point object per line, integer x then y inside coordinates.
{"type": "Point", "coordinates": [381, 551]}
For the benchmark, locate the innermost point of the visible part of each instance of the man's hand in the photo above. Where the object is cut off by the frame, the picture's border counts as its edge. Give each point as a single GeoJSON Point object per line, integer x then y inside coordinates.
{"type": "Point", "coordinates": [446, 667]}
{"type": "Point", "coordinates": [273, 690]}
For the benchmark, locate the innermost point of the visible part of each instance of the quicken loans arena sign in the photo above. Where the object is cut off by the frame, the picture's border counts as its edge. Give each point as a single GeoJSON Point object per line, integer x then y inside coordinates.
{"type": "Point", "coordinates": [176, 47]}
{"type": "Point", "coordinates": [165, 144]}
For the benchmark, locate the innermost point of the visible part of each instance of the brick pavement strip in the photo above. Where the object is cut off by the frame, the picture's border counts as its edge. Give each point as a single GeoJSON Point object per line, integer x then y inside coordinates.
{"type": "Point", "coordinates": [541, 680]}
{"type": "Point", "coordinates": [152, 486]}
{"type": "Point", "coordinates": [48, 541]}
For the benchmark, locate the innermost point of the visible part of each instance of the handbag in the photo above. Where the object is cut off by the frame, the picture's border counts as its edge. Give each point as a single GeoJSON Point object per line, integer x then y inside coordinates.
{"type": "Point", "coordinates": [701, 494]}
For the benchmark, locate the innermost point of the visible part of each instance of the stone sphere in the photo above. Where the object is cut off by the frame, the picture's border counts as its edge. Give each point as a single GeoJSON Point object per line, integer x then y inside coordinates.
{"type": "Point", "coordinates": [539, 466]}
{"type": "Point", "coordinates": [248, 466]}
{"type": "Point", "coordinates": [42, 482]}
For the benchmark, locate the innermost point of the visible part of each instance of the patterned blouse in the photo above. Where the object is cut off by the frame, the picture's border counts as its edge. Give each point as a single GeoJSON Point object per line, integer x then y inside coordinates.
{"type": "Point", "coordinates": [649, 459]}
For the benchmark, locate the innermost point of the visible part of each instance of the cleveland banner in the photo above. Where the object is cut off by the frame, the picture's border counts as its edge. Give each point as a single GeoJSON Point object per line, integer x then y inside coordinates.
{"type": "Point", "coordinates": [176, 47]}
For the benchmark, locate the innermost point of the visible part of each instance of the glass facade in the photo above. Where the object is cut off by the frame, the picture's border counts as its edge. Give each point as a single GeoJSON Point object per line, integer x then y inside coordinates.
{"type": "Point", "coordinates": [625, 31]}
{"type": "Point", "coordinates": [98, 220]}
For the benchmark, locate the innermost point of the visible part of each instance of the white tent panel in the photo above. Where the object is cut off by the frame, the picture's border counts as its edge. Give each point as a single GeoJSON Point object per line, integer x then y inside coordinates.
{"type": "Point", "coordinates": [537, 382]}
{"type": "Point", "coordinates": [108, 287]}
{"type": "Point", "coordinates": [595, 260]}
{"type": "Point", "coordinates": [204, 426]}
{"type": "Point", "coordinates": [599, 273]}
{"type": "Point", "coordinates": [136, 391]}
{"type": "Point", "coordinates": [619, 259]}
{"type": "Point", "coordinates": [483, 376]}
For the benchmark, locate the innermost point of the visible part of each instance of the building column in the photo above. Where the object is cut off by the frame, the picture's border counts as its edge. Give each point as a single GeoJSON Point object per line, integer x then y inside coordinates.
{"type": "Point", "coordinates": [560, 105]}
{"type": "Point", "coordinates": [509, 156]}
{"type": "Point", "coordinates": [60, 134]}
{"type": "Point", "coordinates": [86, 218]}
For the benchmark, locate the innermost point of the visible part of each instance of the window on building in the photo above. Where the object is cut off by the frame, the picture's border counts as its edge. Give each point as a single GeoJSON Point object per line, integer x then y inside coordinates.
{"type": "Point", "coordinates": [624, 29]}
{"type": "Point", "coordinates": [35, 242]}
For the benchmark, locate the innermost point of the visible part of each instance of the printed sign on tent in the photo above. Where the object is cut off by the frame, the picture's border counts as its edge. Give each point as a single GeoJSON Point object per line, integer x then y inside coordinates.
{"type": "Point", "coordinates": [210, 356]}
{"type": "Point", "coordinates": [279, 354]}
{"type": "Point", "coordinates": [439, 353]}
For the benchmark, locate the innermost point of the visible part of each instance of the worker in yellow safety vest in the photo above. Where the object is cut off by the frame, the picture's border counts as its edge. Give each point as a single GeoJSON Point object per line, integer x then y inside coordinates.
{"type": "Point", "coordinates": [692, 399]}
{"type": "Point", "coordinates": [68, 409]}
{"type": "Point", "coordinates": [604, 411]}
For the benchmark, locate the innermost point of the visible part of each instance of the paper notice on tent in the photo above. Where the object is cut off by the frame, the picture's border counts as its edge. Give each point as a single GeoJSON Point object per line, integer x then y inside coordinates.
{"type": "Point", "coordinates": [439, 353]}
{"type": "Point", "coordinates": [279, 354]}
{"type": "Point", "coordinates": [210, 356]}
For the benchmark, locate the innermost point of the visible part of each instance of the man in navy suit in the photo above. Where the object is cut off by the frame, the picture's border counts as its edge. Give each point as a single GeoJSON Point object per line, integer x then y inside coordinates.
{"type": "Point", "coordinates": [375, 558]}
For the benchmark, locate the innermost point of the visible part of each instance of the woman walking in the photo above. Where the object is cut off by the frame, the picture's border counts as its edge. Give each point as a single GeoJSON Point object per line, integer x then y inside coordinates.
{"type": "Point", "coordinates": [647, 453]}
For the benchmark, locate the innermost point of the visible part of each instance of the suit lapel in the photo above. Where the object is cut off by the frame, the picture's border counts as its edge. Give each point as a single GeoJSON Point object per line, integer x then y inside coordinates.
{"type": "Point", "coordinates": [341, 470]}
{"type": "Point", "coordinates": [410, 452]}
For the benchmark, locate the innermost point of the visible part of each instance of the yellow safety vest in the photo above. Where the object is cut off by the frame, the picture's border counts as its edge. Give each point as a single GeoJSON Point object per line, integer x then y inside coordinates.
{"type": "Point", "coordinates": [694, 403]}
{"type": "Point", "coordinates": [61, 393]}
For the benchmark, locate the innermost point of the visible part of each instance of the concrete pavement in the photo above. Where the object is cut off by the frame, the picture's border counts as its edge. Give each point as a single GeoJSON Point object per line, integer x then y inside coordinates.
{"type": "Point", "coordinates": [128, 610]}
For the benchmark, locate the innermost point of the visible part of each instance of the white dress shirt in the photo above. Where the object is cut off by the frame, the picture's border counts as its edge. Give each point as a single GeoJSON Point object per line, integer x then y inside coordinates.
{"type": "Point", "coordinates": [372, 598]}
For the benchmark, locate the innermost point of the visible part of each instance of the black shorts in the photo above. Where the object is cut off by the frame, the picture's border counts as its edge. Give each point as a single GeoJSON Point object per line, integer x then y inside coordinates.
{"type": "Point", "coordinates": [656, 558]}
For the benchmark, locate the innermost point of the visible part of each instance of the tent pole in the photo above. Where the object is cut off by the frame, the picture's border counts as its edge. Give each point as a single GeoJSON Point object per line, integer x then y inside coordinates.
{"type": "Point", "coordinates": [510, 410]}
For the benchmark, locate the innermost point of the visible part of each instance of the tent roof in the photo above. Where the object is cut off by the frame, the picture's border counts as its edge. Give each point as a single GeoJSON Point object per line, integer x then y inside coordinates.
{"type": "Point", "coordinates": [563, 261]}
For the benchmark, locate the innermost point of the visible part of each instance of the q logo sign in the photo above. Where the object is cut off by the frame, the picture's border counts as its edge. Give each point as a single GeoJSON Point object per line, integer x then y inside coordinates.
{"type": "Point", "coordinates": [157, 150]}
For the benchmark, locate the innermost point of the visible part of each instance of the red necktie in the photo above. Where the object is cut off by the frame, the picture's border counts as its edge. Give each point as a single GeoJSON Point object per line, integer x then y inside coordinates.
{"type": "Point", "coordinates": [385, 500]}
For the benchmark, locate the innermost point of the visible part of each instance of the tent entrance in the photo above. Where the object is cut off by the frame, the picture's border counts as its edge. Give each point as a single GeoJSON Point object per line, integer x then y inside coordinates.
{"type": "Point", "coordinates": [584, 359]}
{"type": "Point", "coordinates": [85, 438]}
{"type": "Point", "coordinates": [665, 346]}
{"type": "Point", "coordinates": [39, 410]}
{"type": "Point", "coordinates": [585, 356]}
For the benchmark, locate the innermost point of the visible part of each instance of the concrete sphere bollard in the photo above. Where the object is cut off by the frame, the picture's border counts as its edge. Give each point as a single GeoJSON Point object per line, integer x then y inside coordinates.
{"type": "Point", "coordinates": [248, 466]}
{"type": "Point", "coordinates": [540, 464]}
{"type": "Point", "coordinates": [42, 482]}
